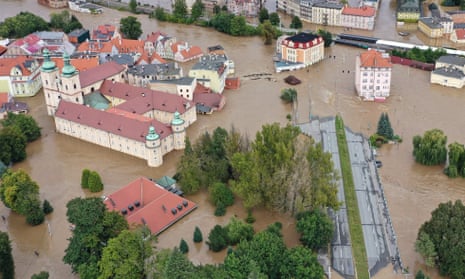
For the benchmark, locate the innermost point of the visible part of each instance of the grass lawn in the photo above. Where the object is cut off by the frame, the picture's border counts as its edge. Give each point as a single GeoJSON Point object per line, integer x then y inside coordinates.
{"type": "Point", "coordinates": [355, 224]}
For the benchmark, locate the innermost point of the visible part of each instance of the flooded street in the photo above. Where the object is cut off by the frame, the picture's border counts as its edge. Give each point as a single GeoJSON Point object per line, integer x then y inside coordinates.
{"type": "Point", "coordinates": [56, 161]}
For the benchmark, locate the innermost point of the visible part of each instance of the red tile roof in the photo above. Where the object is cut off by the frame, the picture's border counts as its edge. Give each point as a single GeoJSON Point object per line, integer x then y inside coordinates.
{"type": "Point", "coordinates": [127, 45]}
{"type": "Point", "coordinates": [93, 46]}
{"type": "Point", "coordinates": [192, 52]}
{"type": "Point", "coordinates": [100, 72]}
{"type": "Point", "coordinates": [374, 59]}
{"type": "Point", "coordinates": [3, 49]}
{"type": "Point", "coordinates": [113, 122]}
{"type": "Point", "coordinates": [141, 100]}
{"type": "Point", "coordinates": [103, 32]}
{"type": "Point", "coordinates": [81, 64]}
{"type": "Point", "coordinates": [154, 36]}
{"type": "Point", "coordinates": [156, 205]}
{"type": "Point", "coordinates": [365, 11]}
{"type": "Point", "coordinates": [6, 64]}
{"type": "Point", "coordinates": [213, 100]}
{"type": "Point", "coordinates": [460, 33]}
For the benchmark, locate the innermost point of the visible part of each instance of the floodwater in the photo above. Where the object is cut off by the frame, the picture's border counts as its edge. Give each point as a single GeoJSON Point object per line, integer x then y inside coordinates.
{"type": "Point", "coordinates": [55, 161]}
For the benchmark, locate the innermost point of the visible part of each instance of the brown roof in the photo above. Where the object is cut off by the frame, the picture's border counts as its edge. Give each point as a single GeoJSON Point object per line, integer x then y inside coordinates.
{"type": "Point", "coordinates": [127, 45]}
{"type": "Point", "coordinates": [458, 18]}
{"type": "Point", "coordinates": [3, 98]}
{"type": "Point", "coordinates": [365, 11]}
{"type": "Point", "coordinates": [151, 205]}
{"type": "Point", "coordinates": [192, 52]}
{"type": "Point", "coordinates": [6, 64]}
{"type": "Point", "coordinates": [141, 100]}
{"type": "Point", "coordinates": [100, 72]}
{"type": "Point", "coordinates": [3, 49]}
{"type": "Point", "coordinates": [213, 100]}
{"type": "Point", "coordinates": [81, 64]}
{"type": "Point", "coordinates": [154, 36]}
{"type": "Point", "coordinates": [374, 59]}
{"type": "Point", "coordinates": [114, 123]}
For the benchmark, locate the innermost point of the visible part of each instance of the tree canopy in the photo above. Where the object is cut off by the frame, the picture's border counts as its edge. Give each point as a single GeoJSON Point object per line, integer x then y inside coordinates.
{"type": "Point", "coordinates": [7, 266]}
{"type": "Point", "coordinates": [384, 127]}
{"type": "Point", "coordinates": [263, 15]}
{"type": "Point", "coordinates": [327, 37]}
{"type": "Point", "coordinates": [131, 27]}
{"type": "Point", "coordinates": [456, 166]}
{"type": "Point", "coordinates": [274, 19]}
{"type": "Point", "coordinates": [64, 21]}
{"type": "Point", "coordinates": [431, 148]}
{"type": "Point", "coordinates": [445, 231]}
{"type": "Point", "coordinates": [12, 145]}
{"type": "Point", "coordinates": [296, 23]}
{"type": "Point", "coordinates": [198, 8]}
{"type": "Point", "coordinates": [316, 229]}
{"type": "Point", "coordinates": [26, 124]}
{"type": "Point", "coordinates": [22, 25]}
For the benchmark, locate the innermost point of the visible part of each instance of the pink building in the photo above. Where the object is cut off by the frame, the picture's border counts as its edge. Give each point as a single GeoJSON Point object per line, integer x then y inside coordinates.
{"type": "Point", "coordinates": [373, 75]}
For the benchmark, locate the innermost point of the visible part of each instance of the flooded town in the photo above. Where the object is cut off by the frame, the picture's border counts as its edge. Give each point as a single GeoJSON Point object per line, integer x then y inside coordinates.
{"type": "Point", "coordinates": [412, 191]}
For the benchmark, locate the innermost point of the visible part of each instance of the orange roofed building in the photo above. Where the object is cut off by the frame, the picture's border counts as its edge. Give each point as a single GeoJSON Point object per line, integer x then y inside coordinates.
{"type": "Point", "coordinates": [373, 71]}
{"type": "Point", "coordinates": [143, 202]}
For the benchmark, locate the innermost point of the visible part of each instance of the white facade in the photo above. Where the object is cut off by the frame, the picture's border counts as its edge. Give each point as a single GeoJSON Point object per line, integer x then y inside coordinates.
{"type": "Point", "coordinates": [373, 72]}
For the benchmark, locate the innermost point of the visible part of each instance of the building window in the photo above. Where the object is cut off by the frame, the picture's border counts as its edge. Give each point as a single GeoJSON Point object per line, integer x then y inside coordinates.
{"type": "Point", "coordinates": [74, 85]}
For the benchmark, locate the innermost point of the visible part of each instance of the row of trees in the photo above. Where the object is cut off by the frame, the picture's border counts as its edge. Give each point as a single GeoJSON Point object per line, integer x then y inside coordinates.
{"type": "Point", "coordinates": [281, 169]}
{"type": "Point", "coordinates": [441, 240]}
{"type": "Point", "coordinates": [17, 131]}
{"type": "Point", "coordinates": [21, 194]}
{"type": "Point", "coordinates": [26, 23]}
{"type": "Point", "coordinates": [426, 56]}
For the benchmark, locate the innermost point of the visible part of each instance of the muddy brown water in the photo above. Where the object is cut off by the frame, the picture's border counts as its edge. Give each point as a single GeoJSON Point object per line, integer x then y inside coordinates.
{"type": "Point", "coordinates": [413, 191]}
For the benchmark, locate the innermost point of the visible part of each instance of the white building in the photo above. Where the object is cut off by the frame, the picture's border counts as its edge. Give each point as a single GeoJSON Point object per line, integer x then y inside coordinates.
{"type": "Point", "coordinates": [373, 75]}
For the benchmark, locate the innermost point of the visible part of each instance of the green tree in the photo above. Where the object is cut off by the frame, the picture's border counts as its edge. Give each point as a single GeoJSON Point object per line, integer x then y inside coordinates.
{"type": "Point", "coordinates": [238, 26]}
{"type": "Point", "coordinates": [7, 266]}
{"type": "Point", "coordinates": [327, 37]}
{"type": "Point", "coordinates": [133, 6]}
{"type": "Point", "coordinates": [300, 262]}
{"type": "Point", "coordinates": [425, 247]}
{"type": "Point", "coordinates": [85, 178]}
{"type": "Point", "coordinates": [41, 275]}
{"type": "Point", "coordinates": [220, 192]}
{"type": "Point", "coordinates": [384, 127]}
{"type": "Point", "coordinates": [159, 14]}
{"type": "Point", "coordinates": [26, 124]}
{"type": "Point", "coordinates": [198, 8]}
{"type": "Point", "coordinates": [431, 148]}
{"type": "Point", "coordinates": [445, 230]}
{"type": "Point", "coordinates": [125, 255]}
{"type": "Point", "coordinates": [238, 231]}
{"type": "Point", "coordinates": [64, 21]}
{"type": "Point", "coordinates": [421, 275]}
{"type": "Point", "coordinates": [88, 270]}
{"type": "Point", "coordinates": [289, 95]}
{"type": "Point", "coordinates": [189, 172]}
{"type": "Point", "coordinates": [131, 28]}
{"type": "Point", "coordinates": [263, 15]}
{"type": "Point", "coordinates": [222, 22]}
{"type": "Point", "coordinates": [218, 239]}
{"type": "Point", "coordinates": [316, 229]}
{"type": "Point", "coordinates": [456, 161]}
{"type": "Point", "coordinates": [180, 10]}
{"type": "Point", "coordinates": [178, 266]}
{"type": "Point", "coordinates": [274, 19]}
{"type": "Point", "coordinates": [198, 235]}
{"type": "Point", "coordinates": [47, 207]}
{"type": "Point", "coordinates": [183, 247]}
{"type": "Point", "coordinates": [216, 9]}
{"type": "Point", "coordinates": [296, 23]}
{"type": "Point", "coordinates": [13, 145]}
{"type": "Point", "coordinates": [268, 32]}
{"type": "Point", "coordinates": [19, 192]}
{"type": "Point", "coordinates": [22, 25]}
{"type": "Point", "coordinates": [95, 182]}
{"type": "Point", "coordinates": [35, 216]}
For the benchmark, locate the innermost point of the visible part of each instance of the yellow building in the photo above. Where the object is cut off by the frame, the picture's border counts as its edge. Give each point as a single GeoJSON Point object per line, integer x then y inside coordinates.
{"type": "Point", "coordinates": [303, 48]}
{"type": "Point", "coordinates": [211, 71]}
{"type": "Point", "coordinates": [20, 76]}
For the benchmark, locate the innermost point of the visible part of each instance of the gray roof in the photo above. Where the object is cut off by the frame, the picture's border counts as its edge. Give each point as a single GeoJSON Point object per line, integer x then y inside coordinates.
{"type": "Point", "coordinates": [155, 69]}
{"type": "Point", "coordinates": [452, 60]}
{"type": "Point", "coordinates": [178, 81]}
{"type": "Point", "coordinates": [459, 25]}
{"type": "Point", "coordinates": [432, 23]}
{"type": "Point", "coordinates": [77, 32]}
{"type": "Point", "coordinates": [123, 59]}
{"type": "Point", "coordinates": [329, 5]}
{"type": "Point", "coordinates": [210, 62]}
{"type": "Point", "coordinates": [449, 72]}
{"type": "Point", "coordinates": [409, 5]}
{"type": "Point", "coordinates": [50, 35]}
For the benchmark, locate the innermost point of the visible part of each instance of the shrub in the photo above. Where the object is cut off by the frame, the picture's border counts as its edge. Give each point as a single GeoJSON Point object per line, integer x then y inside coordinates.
{"type": "Point", "coordinates": [250, 219]}
{"type": "Point", "coordinates": [35, 216]}
{"type": "Point", "coordinates": [221, 193]}
{"type": "Point", "coordinates": [41, 275]}
{"type": "Point", "coordinates": [183, 247]}
{"type": "Point", "coordinates": [85, 178]}
{"type": "Point", "coordinates": [238, 231]}
{"type": "Point", "coordinates": [198, 235]}
{"type": "Point", "coordinates": [47, 207]}
{"type": "Point", "coordinates": [275, 228]}
{"type": "Point", "coordinates": [220, 209]}
{"type": "Point", "coordinates": [95, 183]}
{"type": "Point", "coordinates": [217, 239]}
{"type": "Point", "coordinates": [288, 95]}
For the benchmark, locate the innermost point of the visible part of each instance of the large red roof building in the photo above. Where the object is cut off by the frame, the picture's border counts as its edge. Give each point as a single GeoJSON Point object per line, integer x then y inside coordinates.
{"type": "Point", "coordinates": [143, 202]}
